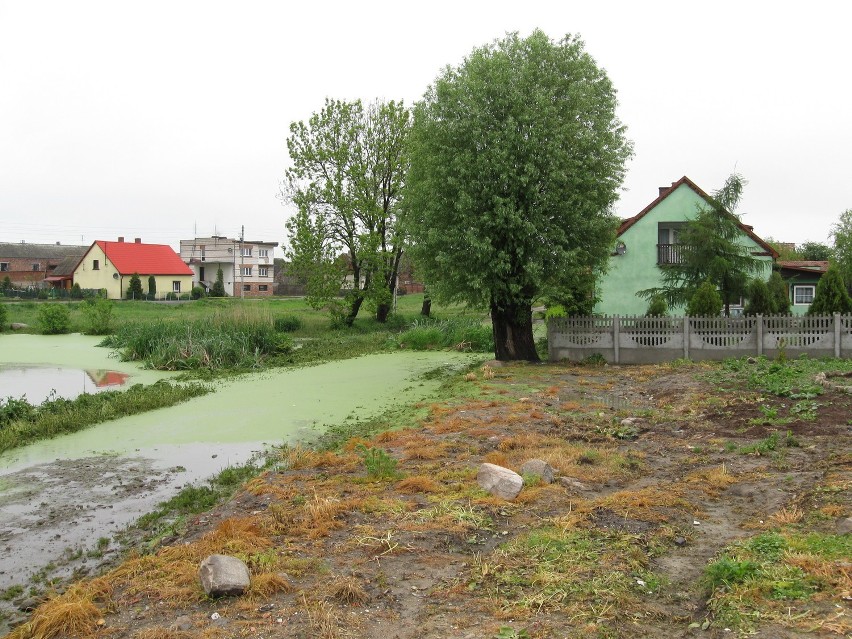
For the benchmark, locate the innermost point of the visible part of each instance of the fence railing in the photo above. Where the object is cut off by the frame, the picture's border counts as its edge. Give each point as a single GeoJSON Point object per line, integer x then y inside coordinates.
{"type": "Point", "coordinates": [648, 340]}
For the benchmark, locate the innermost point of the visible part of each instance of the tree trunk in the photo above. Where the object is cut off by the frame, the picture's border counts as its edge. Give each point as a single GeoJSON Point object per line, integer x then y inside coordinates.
{"type": "Point", "coordinates": [426, 308]}
{"type": "Point", "coordinates": [353, 310]}
{"type": "Point", "coordinates": [513, 334]}
{"type": "Point", "coordinates": [382, 312]}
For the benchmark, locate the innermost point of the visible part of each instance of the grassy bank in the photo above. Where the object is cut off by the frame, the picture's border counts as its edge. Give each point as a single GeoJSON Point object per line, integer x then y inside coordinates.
{"type": "Point", "coordinates": [23, 423]}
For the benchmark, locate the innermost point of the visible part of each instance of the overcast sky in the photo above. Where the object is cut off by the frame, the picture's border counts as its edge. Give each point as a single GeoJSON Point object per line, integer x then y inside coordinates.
{"type": "Point", "coordinates": [168, 119]}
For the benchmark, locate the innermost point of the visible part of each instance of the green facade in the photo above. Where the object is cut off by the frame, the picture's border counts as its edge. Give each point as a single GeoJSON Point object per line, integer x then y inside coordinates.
{"type": "Point", "coordinates": [636, 267]}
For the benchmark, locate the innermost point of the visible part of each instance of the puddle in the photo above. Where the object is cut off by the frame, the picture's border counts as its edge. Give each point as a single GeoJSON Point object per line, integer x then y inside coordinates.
{"type": "Point", "coordinates": [68, 492]}
{"type": "Point", "coordinates": [37, 383]}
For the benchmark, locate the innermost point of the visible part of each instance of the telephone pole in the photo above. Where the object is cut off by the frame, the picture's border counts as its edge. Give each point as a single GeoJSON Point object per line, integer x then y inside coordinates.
{"type": "Point", "coordinates": [242, 268]}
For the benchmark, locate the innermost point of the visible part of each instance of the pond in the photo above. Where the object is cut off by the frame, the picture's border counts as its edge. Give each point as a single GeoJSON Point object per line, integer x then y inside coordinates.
{"type": "Point", "coordinates": [38, 383]}
{"type": "Point", "coordinates": [67, 492]}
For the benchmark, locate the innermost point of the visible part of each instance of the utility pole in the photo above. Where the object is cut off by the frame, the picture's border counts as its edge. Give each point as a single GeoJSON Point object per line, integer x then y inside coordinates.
{"type": "Point", "coordinates": [242, 269]}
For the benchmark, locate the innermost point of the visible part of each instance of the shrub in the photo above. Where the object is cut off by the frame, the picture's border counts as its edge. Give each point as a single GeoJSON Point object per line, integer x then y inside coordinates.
{"type": "Point", "coordinates": [171, 295]}
{"type": "Point", "coordinates": [7, 284]}
{"type": "Point", "coordinates": [198, 292]}
{"type": "Point", "coordinates": [218, 289]}
{"type": "Point", "coordinates": [779, 295]}
{"type": "Point", "coordinates": [43, 293]}
{"type": "Point", "coordinates": [185, 297]}
{"type": "Point", "coordinates": [831, 295]}
{"type": "Point", "coordinates": [76, 292]}
{"type": "Point", "coordinates": [557, 310]}
{"type": "Point", "coordinates": [55, 319]}
{"type": "Point", "coordinates": [3, 317]}
{"type": "Point", "coordinates": [657, 307]}
{"type": "Point", "coordinates": [706, 302]}
{"type": "Point", "coordinates": [759, 299]}
{"type": "Point", "coordinates": [152, 287]}
{"type": "Point", "coordinates": [287, 323]}
{"type": "Point", "coordinates": [98, 314]}
{"type": "Point", "coordinates": [12, 409]}
{"type": "Point", "coordinates": [134, 290]}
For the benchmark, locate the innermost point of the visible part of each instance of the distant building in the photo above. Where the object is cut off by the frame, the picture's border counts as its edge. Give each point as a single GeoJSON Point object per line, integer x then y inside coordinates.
{"type": "Point", "coordinates": [110, 265]}
{"type": "Point", "coordinates": [247, 265]}
{"type": "Point", "coordinates": [28, 264]}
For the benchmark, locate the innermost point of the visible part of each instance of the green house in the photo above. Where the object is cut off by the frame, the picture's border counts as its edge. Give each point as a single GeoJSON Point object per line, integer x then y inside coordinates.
{"type": "Point", "coordinates": [802, 277]}
{"type": "Point", "coordinates": [649, 239]}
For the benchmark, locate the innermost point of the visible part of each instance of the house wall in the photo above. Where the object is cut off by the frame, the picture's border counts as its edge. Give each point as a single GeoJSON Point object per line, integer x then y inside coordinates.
{"type": "Point", "coordinates": [637, 268]}
{"type": "Point", "coordinates": [106, 276]}
{"type": "Point", "coordinates": [799, 279]}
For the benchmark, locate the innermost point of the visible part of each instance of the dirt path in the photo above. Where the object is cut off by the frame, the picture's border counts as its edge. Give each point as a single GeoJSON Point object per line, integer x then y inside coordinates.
{"type": "Point", "coordinates": [655, 478]}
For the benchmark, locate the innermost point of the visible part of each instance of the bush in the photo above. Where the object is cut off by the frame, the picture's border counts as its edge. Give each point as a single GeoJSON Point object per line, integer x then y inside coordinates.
{"type": "Point", "coordinates": [185, 297]}
{"type": "Point", "coordinates": [779, 295]}
{"type": "Point", "coordinates": [134, 290]}
{"type": "Point", "coordinates": [760, 300]}
{"type": "Point", "coordinates": [76, 292]}
{"type": "Point", "coordinates": [3, 317]}
{"type": "Point", "coordinates": [152, 287]}
{"type": "Point", "coordinates": [657, 307]}
{"type": "Point", "coordinates": [98, 314]}
{"type": "Point", "coordinates": [706, 302]}
{"type": "Point", "coordinates": [198, 292]}
{"type": "Point", "coordinates": [831, 295]}
{"type": "Point", "coordinates": [287, 323]}
{"type": "Point", "coordinates": [54, 319]}
{"type": "Point", "coordinates": [557, 310]}
{"type": "Point", "coordinates": [171, 295]}
{"type": "Point", "coordinates": [12, 409]}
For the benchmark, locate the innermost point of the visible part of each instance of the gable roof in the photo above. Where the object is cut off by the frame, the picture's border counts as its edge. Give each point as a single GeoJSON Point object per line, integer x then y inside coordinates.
{"type": "Point", "coordinates": [145, 259]}
{"type": "Point", "coordinates": [25, 250]}
{"type": "Point", "coordinates": [665, 192]}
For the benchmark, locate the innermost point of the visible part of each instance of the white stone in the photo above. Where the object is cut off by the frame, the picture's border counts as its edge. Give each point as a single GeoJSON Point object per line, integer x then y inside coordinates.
{"type": "Point", "coordinates": [499, 481]}
{"type": "Point", "coordinates": [222, 575]}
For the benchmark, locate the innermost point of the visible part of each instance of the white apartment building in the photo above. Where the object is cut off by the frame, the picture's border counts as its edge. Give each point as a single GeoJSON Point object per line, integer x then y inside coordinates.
{"type": "Point", "coordinates": [247, 266]}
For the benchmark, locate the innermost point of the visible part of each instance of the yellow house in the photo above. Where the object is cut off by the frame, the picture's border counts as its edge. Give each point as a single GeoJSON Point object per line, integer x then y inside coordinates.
{"type": "Point", "coordinates": [110, 265]}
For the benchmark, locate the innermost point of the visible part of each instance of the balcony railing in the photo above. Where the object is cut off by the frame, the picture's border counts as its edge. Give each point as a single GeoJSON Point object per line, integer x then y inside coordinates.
{"type": "Point", "coordinates": [669, 253]}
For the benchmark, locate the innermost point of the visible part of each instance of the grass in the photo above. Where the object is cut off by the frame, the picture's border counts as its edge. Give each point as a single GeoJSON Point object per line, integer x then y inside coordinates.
{"type": "Point", "coordinates": [59, 416]}
{"type": "Point", "coordinates": [791, 378]}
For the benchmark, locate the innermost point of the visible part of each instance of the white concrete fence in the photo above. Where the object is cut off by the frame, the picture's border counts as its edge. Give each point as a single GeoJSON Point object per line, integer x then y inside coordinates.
{"type": "Point", "coordinates": [651, 340]}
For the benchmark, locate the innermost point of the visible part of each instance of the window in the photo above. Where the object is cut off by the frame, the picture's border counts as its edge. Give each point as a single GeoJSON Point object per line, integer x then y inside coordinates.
{"type": "Point", "coordinates": [4, 266]}
{"type": "Point", "coordinates": [263, 252]}
{"type": "Point", "coordinates": [263, 271]}
{"type": "Point", "coordinates": [263, 288]}
{"type": "Point", "coordinates": [175, 286]}
{"type": "Point", "coordinates": [803, 294]}
{"type": "Point", "coordinates": [246, 251]}
{"type": "Point", "coordinates": [96, 265]}
{"type": "Point", "coordinates": [247, 288]}
{"type": "Point", "coordinates": [36, 266]}
{"type": "Point", "coordinates": [246, 270]}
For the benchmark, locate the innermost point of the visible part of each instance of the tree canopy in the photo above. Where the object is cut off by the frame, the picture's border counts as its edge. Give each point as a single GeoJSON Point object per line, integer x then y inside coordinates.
{"type": "Point", "coordinates": [517, 156]}
{"type": "Point", "coordinates": [346, 179]}
{"type": "Point", "coordinates": [841, 233]}
{"type": "Point", "coordinates": [711, 250]}
{"type": "Point", "coordinates": [831, 295]}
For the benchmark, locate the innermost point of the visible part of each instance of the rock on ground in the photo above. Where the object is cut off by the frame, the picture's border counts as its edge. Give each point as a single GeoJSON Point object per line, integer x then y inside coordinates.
{"type": "Point", "coordinates": [499, 481]}
{"type": "Point", "coordinates": [222, 575]}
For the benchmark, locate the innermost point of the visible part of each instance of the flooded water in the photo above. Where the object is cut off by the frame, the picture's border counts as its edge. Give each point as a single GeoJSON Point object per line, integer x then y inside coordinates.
{"type": "Point", "coordinates": [37, 383]}
{"type": "Point", "coordinates": [69, 491]}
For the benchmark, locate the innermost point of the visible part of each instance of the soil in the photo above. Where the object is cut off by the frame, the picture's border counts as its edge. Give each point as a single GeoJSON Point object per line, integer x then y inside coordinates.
{"type": "Point", "coordinates": [431, 555]}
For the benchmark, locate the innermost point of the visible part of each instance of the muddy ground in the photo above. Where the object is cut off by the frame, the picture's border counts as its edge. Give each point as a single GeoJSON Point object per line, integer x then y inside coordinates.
{"type": "Point", "coordinates": [617, 546]}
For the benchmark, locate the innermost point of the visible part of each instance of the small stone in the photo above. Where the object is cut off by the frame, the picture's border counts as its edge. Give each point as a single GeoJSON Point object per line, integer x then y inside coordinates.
{"type": "Point", "coordinates": [844, 526]}
{"type": "Point", "coordinates": [182, 623]}
{"type": "Point", "coordinates": [539, 468]}
{"type": "Point", "coordinates": [222, 575]}
{"type": "Point", "coordinates": [679, 541]}
{"type": "Point", "coordinates": [570, 482]}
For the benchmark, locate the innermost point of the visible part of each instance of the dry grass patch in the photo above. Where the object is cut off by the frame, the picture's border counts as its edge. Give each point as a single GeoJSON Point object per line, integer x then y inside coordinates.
{"type": "Point", "coordinates": [71, 614]}
{"type": "Point", "coordinates": [163, 633]}
{"type": "Point", "coordinates": [419, 484]}
{"type": "Point", "coordinates": [323, 620]}
{"type": "Point", "coordinates": [237, 535]}
{"type": "Point", "coordinates": [424, 449]}
{"type": "Point", "coordinates": [269, 583]}
{"type": "Point", "coordinates": [711, 480]}
{"type": "Point", "coordinates": [348, 590]}
{"type": "Point", "coordinates": [646, 503]}
{"type": "Point", "coordinates": [497, 458]}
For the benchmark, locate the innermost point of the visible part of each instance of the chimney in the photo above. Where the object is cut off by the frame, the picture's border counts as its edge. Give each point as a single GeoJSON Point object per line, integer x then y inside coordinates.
{"type": "Point", "coordinates": [57, 244]}
{"type": "Point", "coordinates": [663, 189]}
{"type": "Point", "coordinates": [120, 238]}
{"type": "Point", "coordinates": [138, 240]}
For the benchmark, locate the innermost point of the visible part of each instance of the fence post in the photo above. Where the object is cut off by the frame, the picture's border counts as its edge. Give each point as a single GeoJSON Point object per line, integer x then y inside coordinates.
{"type": "Point", "coordinates": [759, 334]}
{"type": "Point", "coordinates": [837, 335]}
{"type": "Point", "coordinates": [616, 334]}
{"type": "Point", "coordinates": [685, 336]}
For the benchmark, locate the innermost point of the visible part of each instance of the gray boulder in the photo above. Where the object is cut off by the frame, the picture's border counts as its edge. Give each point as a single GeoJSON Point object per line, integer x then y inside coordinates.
{"type": "Point", "coordinates": [18, 326]}
{"type": "Point", "coordinates": [222, 575]}
{"type": "Point", "coordinates": [540, 468]}
{"type": "Point", "coordinates": [499, 481]}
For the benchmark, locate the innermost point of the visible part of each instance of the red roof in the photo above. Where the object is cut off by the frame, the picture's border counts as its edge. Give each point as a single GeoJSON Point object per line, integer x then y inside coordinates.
{"type": "Point", "coordinates": [665, 192]}
{"type": "Point", "coordinates": [145, 259]}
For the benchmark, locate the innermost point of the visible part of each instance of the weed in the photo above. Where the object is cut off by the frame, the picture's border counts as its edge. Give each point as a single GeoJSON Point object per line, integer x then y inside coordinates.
{"type": "Point", "coordinates": [378, 463]}
{"type": "Point", "coordinates": [763, 447]}
{"type": "Point", "coordinates": [11, 592]}
{"type": "Point", "coordinates": [507, 632]}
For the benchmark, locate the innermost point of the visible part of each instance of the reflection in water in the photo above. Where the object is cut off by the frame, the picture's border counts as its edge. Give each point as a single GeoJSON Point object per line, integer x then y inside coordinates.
{"type": "Point", "coordinates": [38, 383]}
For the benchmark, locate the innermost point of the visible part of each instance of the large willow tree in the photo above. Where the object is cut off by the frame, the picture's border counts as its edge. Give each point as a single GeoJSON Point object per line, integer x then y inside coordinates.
{"type": "Point", "coordinates": [517, 157]}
